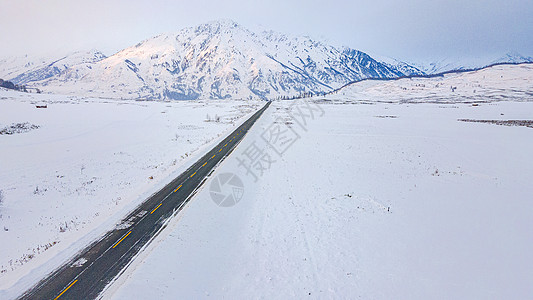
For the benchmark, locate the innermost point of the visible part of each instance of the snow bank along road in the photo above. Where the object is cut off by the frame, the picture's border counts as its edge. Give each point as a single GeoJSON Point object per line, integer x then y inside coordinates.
{"type": "Point", "coordinates": [87, 274]}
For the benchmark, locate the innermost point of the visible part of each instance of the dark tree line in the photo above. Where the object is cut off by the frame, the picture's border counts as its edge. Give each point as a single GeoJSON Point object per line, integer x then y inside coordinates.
{"type": "Point", "coordinates": [10, 85]}
{"type": "Point", "coordinates": [301, 95]}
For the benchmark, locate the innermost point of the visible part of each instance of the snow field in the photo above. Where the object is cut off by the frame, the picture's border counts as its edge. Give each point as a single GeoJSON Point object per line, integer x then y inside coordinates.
{"type": "Point", "coordinates": [382, 201]}
{"type": "Point", "coordinates": [89, 163]}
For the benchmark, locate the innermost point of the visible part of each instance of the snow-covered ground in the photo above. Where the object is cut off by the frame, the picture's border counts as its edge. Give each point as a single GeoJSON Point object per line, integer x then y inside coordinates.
{"type": "Point", "coordinates": [498, 83]}
{"type": "Point", "coordinates": [370, 197]}
{"type": "Point", "coordinates": [68, 172]}
{"type": "Point", "coordinates": [381, 201]}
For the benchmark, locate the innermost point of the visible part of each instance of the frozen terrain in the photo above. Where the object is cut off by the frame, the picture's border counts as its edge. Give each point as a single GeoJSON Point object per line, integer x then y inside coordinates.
{"type": "Point", "coordinates": [68, 172]}
{"type": "Point", "coordinates": [379, 201]}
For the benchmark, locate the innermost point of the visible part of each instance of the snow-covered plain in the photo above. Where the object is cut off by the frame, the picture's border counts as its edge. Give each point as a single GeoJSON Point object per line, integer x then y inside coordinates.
{"type": "Point", "coordinates": [88, 163]}
{"type": "Point", "coordinates": [379, 201]}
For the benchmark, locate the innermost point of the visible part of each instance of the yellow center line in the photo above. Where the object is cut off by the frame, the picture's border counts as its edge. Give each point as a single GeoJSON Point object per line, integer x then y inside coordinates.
{"type": "Point", "coordinates": [68, 287]}
{"type": "Point", "coordinates": [193, 174]}
{"type": "Point", "coordinates": [213, 155]}
{"type": "Point", "coordinates": [178, 188]}
{"type": "Point", "coordinates": [225, 145]}
{"type": "Point", "coordinates": [122, 239]}
{"type": "Point", "coordinates": [204, 164]}
{"type": "Point", "coordinates": [156, 208]}
{"type": "Point", "coordinates": [220, 150]}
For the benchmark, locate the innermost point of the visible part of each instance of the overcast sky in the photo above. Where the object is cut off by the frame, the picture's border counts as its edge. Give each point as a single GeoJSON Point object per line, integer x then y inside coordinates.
{"type": "Point", "coordinates": [411, 30]}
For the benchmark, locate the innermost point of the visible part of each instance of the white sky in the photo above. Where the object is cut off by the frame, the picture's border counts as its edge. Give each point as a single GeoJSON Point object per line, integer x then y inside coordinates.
{"type": "Point", "coordinates": [411, 30]}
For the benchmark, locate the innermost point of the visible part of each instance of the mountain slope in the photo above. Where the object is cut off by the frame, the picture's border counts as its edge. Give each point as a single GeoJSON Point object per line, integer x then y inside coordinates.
{"type": "Point", "coordinates": [400, 66]}
{"type": "Point", "coordinates": [219, 60]}
{"type": "Point", "coordinates": [22, 70]}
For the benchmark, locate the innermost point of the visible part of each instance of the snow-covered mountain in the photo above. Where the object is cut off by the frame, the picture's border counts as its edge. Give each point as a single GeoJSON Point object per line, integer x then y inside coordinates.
{"type": "Point", "coordinates": [220, 60]}
{"type": "Point", "coordinates": [22, 70]}
{"type": "Point", "coordinates": [458, 64]}
{"type": "Point", "coordinates": [403, 67]}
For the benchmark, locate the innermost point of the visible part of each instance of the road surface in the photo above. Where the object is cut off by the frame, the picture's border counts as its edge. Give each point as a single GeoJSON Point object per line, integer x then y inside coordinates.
{"type": "Point", "coordinates": [88, 273]}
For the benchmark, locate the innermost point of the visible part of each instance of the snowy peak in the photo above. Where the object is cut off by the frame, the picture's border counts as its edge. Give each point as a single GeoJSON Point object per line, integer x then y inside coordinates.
{"type": "Point", "coordinates": [219, 59]}
{"type": "Point", "coordinates": [216, 27]}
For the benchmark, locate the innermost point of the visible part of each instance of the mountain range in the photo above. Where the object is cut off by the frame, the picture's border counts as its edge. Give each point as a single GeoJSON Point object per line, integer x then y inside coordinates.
{"type": "Point", "coordinates": [216, 60]}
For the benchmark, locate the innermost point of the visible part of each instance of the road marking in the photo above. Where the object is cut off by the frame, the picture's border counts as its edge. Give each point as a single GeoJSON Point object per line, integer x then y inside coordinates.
{"type": "Point", "coordinates": [225, 145]}
{"type": "Point", "coordinates": [193, 174]}
{"type": "Point", "coordinates": [178, 188]}
{"type": "Point", "coordinates": [156, 207]}
{"type": "Point", "coordinates": [122, 239]}
{"type": "Point", "coordinates": [68, 287]}
{"type": "Point", "coordinates": [204, 164]}
{"type": "Point", "coordinates": [220, 150]}
{"type": "Point", "coordinates": [213, 155]}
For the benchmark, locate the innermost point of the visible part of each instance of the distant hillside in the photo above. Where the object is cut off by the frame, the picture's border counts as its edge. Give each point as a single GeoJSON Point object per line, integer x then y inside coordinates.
{"type": "Point", "coordinates": [450, 64]}
{"type": "Point", "coordinates": [506, 82]}
{"type": "Point", "coordinates": [22, 70]}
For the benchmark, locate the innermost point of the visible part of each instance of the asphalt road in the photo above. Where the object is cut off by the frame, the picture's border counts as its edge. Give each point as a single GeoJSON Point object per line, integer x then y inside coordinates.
{"type": "Point", "coordinates": [88, 273]}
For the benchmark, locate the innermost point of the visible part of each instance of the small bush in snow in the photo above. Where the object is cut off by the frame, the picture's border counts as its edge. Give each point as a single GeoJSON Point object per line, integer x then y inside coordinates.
{"type": "Point", "coordinates": [18, 128]}
{"type": "Point", "coordinates": [38, 191]}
